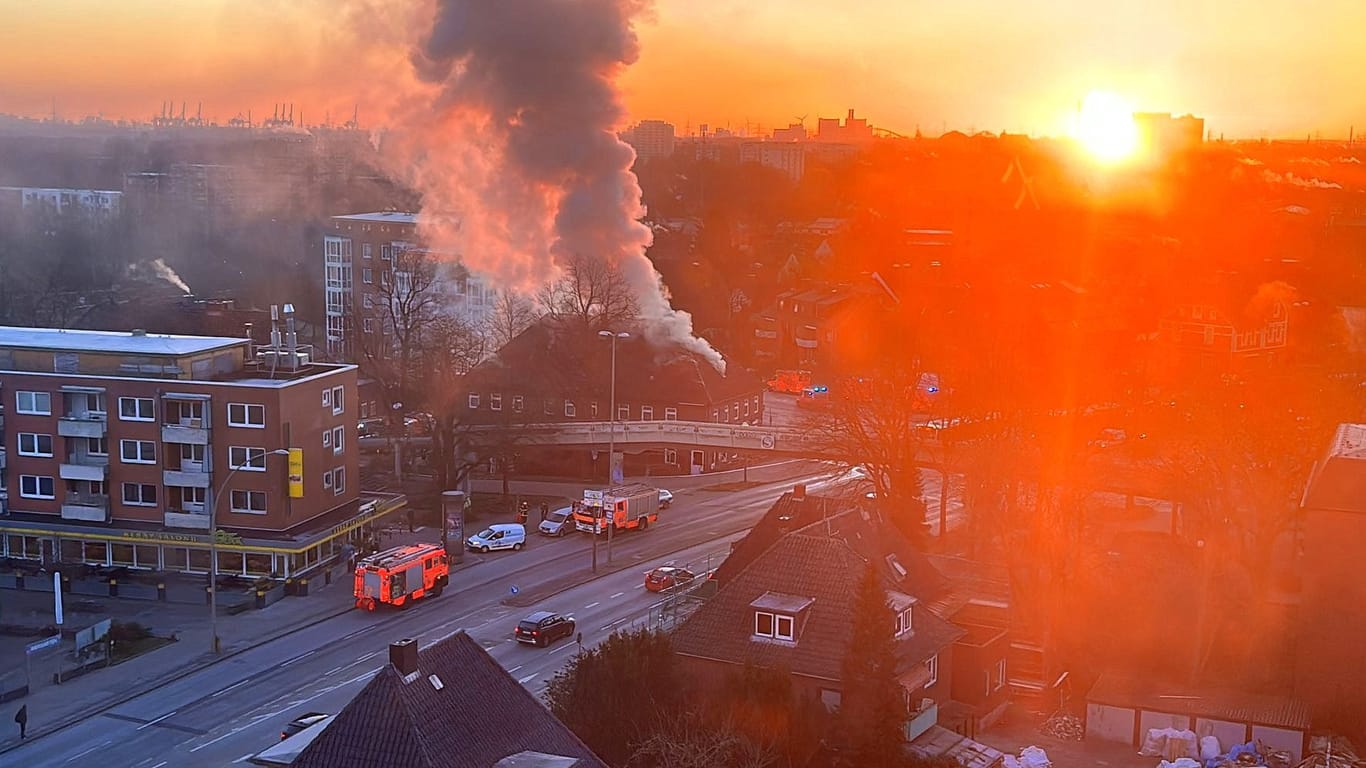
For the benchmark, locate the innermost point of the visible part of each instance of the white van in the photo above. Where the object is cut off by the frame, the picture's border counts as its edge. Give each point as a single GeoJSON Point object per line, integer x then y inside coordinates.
{"type": "Point", "coordinates": [498, 536]}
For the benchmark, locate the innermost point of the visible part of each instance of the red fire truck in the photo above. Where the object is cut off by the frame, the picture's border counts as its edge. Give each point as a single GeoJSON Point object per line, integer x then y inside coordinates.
{"type": "Point", "coordinates": [401, 575]}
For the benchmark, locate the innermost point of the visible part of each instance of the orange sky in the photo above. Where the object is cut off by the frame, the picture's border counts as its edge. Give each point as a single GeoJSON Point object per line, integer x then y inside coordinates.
{"type": "Point", "coordinates": [1251, 69]}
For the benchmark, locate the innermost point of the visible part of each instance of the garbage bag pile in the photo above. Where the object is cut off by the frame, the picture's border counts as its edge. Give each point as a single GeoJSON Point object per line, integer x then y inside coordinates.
{"type": "Point", "coordinates": [1030, 757]}
{"type": "Point", "coordinates": [1170, 743]}
{"type": "Point", "coordinates": [1064, 727]}
{"type": "Point", "coordinates": [1330, 752]}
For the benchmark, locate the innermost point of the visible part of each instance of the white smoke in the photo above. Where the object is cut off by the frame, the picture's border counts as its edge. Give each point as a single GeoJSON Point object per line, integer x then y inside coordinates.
{"type": "Point", "coordinates": [517, 132]}
{"type": "Point", "coordinates": [166, 273]}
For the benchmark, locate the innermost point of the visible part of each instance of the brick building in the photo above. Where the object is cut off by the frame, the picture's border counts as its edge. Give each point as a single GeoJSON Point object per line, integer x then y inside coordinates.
{"type": "Point", "coordinates": [116, 446]}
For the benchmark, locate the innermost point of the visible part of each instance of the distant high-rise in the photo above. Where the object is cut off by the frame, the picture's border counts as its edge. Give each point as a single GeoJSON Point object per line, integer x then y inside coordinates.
{"type": "Point", "coordinates": [855, 130]}
{"type": "Point", "coordinates": [1163, 133]}
{"type": "Point", "coordinates": [652, 139]}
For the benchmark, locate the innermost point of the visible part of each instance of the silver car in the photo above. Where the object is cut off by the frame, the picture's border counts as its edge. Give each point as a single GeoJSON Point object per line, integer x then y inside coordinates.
{"type": "Point", "coordinates": [557, 523]}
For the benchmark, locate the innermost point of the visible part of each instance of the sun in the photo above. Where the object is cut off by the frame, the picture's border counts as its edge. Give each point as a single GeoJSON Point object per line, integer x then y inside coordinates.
{"type": "Point", "coordinates": [1106, 128]}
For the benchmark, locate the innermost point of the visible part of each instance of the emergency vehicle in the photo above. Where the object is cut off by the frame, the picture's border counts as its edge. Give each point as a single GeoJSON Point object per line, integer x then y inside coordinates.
{"type": "Point", "coordinates": [623, 507]}
{"type": "Point", "coordinates": [401, 575]}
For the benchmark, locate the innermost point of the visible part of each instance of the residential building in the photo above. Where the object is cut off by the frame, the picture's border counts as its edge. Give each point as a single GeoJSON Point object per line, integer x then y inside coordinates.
{"type": "Point", "coordinates": [559, 371]}
{"type": "Point", "coordinates": [117, 447]}
{"type": "Point", "coordinates": [92, 202]}
{"type": "Point", "coordinates": [1327, 659]}
{"type": "Point", "coordinates": [788, 157]}
{"type": "Point", "coordinates": [1204, 336]}
{"type": "Point", "coordinates": [651, 139]}
{"type": "Point", "coordinates": [364, 263]}
{"type": "Point", "coordinates": [449, 705]}
{"type": "Point", "coordinates": [816, 328]}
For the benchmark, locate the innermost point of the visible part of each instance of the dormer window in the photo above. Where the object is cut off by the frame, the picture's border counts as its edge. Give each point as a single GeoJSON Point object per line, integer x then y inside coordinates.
{"type": "Point", "coordinates": [903, 605]}
{"type": "Point", "coordinates": [903, 622]}
{"type": "Point", "coordinates": [779, 617]}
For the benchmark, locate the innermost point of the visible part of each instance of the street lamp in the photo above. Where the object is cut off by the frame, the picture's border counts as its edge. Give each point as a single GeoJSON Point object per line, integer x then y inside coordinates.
{"type": "Point", "coordinates": [213, 540]}
{"type": "Point", "coordinates": [611, 429]}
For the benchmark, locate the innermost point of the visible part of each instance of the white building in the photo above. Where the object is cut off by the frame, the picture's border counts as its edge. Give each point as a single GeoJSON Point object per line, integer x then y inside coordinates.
{"type": "Point", "coordinates": [652, 139]}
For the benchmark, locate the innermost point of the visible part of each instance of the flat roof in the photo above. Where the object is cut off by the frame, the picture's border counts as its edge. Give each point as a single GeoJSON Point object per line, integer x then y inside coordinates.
{"type": "Point", "coordinates": [393, 217]}
{"type": "Point", "coordinates": [113, 342]}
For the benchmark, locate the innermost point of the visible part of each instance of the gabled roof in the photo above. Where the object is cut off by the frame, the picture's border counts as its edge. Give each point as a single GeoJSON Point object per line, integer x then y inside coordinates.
{"type": "Point", "coordinates": [478, 717]}
{"type": "Point", "coordinates": [824, 570]}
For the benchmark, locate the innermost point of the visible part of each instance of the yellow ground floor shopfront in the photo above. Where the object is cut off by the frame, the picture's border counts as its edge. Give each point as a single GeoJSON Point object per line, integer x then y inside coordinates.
{"type": "Point", "coordinates": [171, 551]}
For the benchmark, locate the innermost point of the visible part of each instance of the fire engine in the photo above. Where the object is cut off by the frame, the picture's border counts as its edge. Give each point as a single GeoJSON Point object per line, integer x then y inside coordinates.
{"type": "Point", "coordinates": [401, 575]}
{"type": "Point", "coordinates": [634, 506]}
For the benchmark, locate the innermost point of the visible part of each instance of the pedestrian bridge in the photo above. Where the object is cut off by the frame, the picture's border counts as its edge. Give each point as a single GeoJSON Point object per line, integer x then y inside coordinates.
{"type": "Point", "coordinates": [697, 434]}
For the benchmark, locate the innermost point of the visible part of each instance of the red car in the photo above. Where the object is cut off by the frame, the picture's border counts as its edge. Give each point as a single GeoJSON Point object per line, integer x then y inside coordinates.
{"type": "Point", "coordinates": [667, 577]}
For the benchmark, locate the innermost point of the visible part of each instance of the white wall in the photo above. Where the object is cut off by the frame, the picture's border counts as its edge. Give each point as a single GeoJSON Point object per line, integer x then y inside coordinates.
{"type": "Point", "coordinates": [1281, 738]}
{"type": "Point", "coordinates": [1228, 733]}
{"type": "Point", "coordinates": [1110, 723]}
{"type": "Point", "coordinates": [1151, 720]}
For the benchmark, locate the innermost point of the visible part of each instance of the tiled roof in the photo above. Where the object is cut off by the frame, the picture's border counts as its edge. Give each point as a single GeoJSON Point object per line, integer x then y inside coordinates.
{"type": "Point", "coordinates": [810, 565]}
{"type": "Point", "coordinates": [478, 717]}
{"type": "Point", "coordinates": [1220, 703]}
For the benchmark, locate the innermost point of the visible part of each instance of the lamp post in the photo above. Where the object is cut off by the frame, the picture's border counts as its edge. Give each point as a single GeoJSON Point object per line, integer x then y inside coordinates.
{"type": "Point", "coordinates": [213, 541]}
{"type": "Point", "coordinates": [612, 430]}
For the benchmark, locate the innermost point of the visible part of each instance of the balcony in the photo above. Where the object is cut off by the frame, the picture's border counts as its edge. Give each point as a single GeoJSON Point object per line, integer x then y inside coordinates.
{"type": "Point", "coordinates": [86, 425]}
{"type": "Point", "coordinates": [921, 721]}
{"type": "Point", "coordinates": [93, 508]}
{"type": "Point", "coordinates": [2, 459]}
{"type": "Point", "coordinates": [190, 433]}
{"type": "Point", "coordinates": [83, 466]}
{"type": "Point", "coordinates": [186, 520]}
{"type": "Point", "coordinates": [186, 477]}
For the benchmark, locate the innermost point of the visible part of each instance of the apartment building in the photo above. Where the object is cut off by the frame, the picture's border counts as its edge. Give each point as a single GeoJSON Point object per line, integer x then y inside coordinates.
{"type": "Point", "coordinates": [134, 449]}
{"type": "Point", "coordinates": [364, 269]}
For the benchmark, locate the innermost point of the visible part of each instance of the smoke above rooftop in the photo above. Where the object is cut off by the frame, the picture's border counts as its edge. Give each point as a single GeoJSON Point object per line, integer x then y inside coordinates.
{"type": "Point", "coordinates": [514, 134]}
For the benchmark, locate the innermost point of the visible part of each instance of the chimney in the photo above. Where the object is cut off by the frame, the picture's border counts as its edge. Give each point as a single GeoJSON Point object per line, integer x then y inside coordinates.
{"type": "Point", "coordinates": [799, 492]}
{"type": "Point", "coordinates": [139, 331]}
{"type": "Point", "coordinates": [403, 655]}
{"type": "Point", "coordinates": [291, 338]}
{"type": "Point", "coordinates": [251, 345]}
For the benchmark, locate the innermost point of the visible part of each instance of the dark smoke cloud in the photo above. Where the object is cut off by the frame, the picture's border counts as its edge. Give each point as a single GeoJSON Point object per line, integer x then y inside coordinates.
{"type": "Point", "coordinates": [520, 139]}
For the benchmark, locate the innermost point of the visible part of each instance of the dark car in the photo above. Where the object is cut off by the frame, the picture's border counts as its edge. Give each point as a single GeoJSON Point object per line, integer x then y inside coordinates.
{"type": "Point", "coordinates": [302, 722]}
{"type": "Point", "coordinates": [543, 628]}
{"type": "Point", "coordinates": [667, 576]}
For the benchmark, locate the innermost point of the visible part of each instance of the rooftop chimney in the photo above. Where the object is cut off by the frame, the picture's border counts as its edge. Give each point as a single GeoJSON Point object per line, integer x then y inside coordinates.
{"type": "Point", "coordinates": [139, 331]}
{"type": "Point", "coordinates": [403, 655]}
{"type": "Point", "coordinates": [799, 492]}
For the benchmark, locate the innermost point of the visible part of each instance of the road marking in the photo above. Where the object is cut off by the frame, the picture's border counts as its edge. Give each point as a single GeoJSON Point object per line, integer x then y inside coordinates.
{"type": "Point", "coordinates": [562, 648]}
{"type": "Point", "coordinates": [334, 671]}
{"type": "Point", "coordinates": [158, 765]}
{"type": "Point", "coordinates": [151, 723]}
{"type": "Point", "coordinates": [300, 657]}
{"type": "Point", "coordinates": [514, 669]}
{"type": "Point", "coordinates": [243, 758]}
{"type": "Point", "coordinates": [88, 751]}
{"type": "Point", "coordinates": [229, 688]}
{"type": "Point", "coordinates": [639, 586]}
{"type": "Point", "coordinates": [613, 624]}
{"type": "Point", "coordinates": [614, 597]}
{"type": "Point", "coordinates": [524, 680]}
{"type": "Point", "coordinates": [591, 605]}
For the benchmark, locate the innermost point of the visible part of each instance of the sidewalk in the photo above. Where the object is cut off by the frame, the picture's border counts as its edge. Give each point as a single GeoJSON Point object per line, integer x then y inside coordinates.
{"type": "Point", "coordinates": [52, 707]}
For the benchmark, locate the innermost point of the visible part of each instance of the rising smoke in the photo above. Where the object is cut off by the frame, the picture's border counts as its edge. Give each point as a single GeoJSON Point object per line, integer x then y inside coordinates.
{"type": "Point", "coordinates": [519, 140]}
{"type": "Point", "coordinates": [165, 272]}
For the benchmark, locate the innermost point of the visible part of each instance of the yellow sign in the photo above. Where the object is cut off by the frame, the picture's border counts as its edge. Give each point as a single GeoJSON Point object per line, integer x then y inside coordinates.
{"type": "Point", "coordinates": [296, 473]}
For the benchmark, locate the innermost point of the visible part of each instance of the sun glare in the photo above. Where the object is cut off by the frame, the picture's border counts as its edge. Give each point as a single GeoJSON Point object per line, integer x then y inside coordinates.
{"type": "Point", "coordinates": [1105, 127]}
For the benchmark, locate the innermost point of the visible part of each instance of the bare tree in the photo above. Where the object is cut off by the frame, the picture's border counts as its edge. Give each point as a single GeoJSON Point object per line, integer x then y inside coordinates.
{"type": "Point", "coordinates": [591, 291]}
{"type": "Point", "coordinates": [691, 742]}
{"type": "Point", "coordinates": [406, 306]}
{"type": "Point", "coordinates": [512, 314]}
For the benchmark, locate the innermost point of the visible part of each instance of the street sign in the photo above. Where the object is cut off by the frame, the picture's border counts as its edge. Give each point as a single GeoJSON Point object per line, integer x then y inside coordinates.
{"type": "Point", "coordinates": [57, 596]}
{"type": "Point", "coordinates": [44, 644]}
{"type": "Point", "coordinates": [514, 590]}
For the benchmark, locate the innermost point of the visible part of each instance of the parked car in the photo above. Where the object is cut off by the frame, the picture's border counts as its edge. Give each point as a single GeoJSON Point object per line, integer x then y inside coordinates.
{"type": "Point", "coordinates": [302, 722]}
{"type": "Point", "coordinates": [666, 577]}
{"type": "Point", "coordinates": [543, 628]}
{"type": "Point", "coordinates": [665, 498]}
{"type": "Point", "coordinates": [498, 536]}
{"type": "Point", "coordinates": [557, 523]}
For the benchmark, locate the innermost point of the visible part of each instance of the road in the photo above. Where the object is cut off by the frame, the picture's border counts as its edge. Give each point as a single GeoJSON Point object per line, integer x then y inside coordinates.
{"type": "Point", "coordinates": [223, 714]}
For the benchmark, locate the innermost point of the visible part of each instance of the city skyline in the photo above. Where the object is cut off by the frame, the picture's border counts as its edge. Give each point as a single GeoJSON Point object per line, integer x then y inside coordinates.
{"type": "Point", "coordinates": [1251, 72]}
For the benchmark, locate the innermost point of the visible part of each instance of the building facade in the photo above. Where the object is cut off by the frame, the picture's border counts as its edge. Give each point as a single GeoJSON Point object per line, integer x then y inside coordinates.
{"type": "Point", "coordinates": [651, 139]}
{"type": "Point", "coordinates": [137, 449]}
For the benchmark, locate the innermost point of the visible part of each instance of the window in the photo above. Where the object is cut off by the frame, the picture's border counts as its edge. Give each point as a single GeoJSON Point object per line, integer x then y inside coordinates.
{"type": "Point", "coordinates": [569, 409]}
{"type": "Point", "coordinates": [327, 398]}
{"type": "Point", "coordinates": [496, 401]}
{"type": "Point", "coordinates": [999, 679]}
{"type": "Point", "coordinates": [338, 481]}
{"type": "Point", "coordinates": [715, 415]}
{"type": "Point", "coordinates": [933, 666]}
{"type": "Point", "coordinates": [746, 414]}
{"type": "Point", "coordinates": [367, 251]}
{"type": "Point", "coordinates": [327, 438]}
{"type": "Point", "coordinates": [338, 401]}
{"type": "Point", "coordinates": [774, 625]}
{"type": "Point", "coordinates": [367, 276]}
{"type": "Point", "coordinates": [623, 412]}
{"type": "Point", "coordinates": [903, 622]}
{"type": "Point", "coordinates": [783, 630]}
{"type": "Point", "coordinates": [248, 415]}
{"type": "Point", "coordinates": [191, 454]}
{"type": "Point", "coordinates": [87, 404]}
{"type": "Point", "coordinates": [249, 502]}
{"type": "Point", "coordinates": [671, 456]}
{"type": "Point", "coordinates": [31, 444]}
{"type": "Point", "coordinates": [593, 409]}
{"type": "Point", "coordinates": [647, 413]}
{"type": "Point", "coordinates": [474, 401]}
{"type": "Point", "coordinates": [327, 479]}
{"type": "Point", "coordinates": [139, 494]}
{"type": "Point", "coordinates": [97, 446]}
{"type": "Point", "coordinates": [368, 301]}
{"type": "Point", "coordinates": [187, 413]}
{"type": "Point", "coordinates": [34, 403]}
{"type": "Point", "coordinates": [368, 325]}
{"type": "Point", "coordinates": [517, 403]}
{"type": "Point", "coordinates": [135, 408]}
{"type": "Point", "coordinates": [386, 252]}
{"type": "Point", "coordinates": [191, 496]}
{"type": "Point", "coordinates": [247, 458]}
{"type": "Point", "coordinates": [671, 414]}
{"type": "Point", "coordinates": [138, 451]}
{"type": "Point", "coordinates": [338, 439]}
{"type": "Point", "coordinates": [763, 624]}
{"type": "Point", "coordinates": [36, 487]}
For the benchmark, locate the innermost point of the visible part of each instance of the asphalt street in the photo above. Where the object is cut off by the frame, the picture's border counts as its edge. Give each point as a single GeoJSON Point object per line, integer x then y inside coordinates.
{"type": "Point", "coordinates": [225, 713]}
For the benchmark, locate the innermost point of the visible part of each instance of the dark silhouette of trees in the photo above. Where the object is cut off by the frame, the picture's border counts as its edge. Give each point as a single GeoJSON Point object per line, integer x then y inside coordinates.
{"type": "Point", "coordinates": [872, 709]}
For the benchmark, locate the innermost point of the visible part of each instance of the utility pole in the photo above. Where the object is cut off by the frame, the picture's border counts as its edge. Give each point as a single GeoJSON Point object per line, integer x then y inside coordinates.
{"type": "Point", "coordinates": [611, 435]}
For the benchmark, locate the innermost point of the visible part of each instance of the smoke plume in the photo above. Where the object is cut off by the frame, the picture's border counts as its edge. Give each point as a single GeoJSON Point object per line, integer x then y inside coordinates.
{"type": "Point", "coordinates": [166, 273]}
{"type": "Point", "coordinates": [517, 137]}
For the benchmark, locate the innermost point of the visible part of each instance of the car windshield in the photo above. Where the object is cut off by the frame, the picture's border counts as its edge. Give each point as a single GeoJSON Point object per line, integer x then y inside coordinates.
{"type": "Point", "coordinates": [484, 534]}
{"type": "Point", "coordinates": [559, 516]}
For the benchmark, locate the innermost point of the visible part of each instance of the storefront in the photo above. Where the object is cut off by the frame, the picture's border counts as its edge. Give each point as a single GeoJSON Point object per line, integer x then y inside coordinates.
{"type": "Point", "coordinates": [155, 550]}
